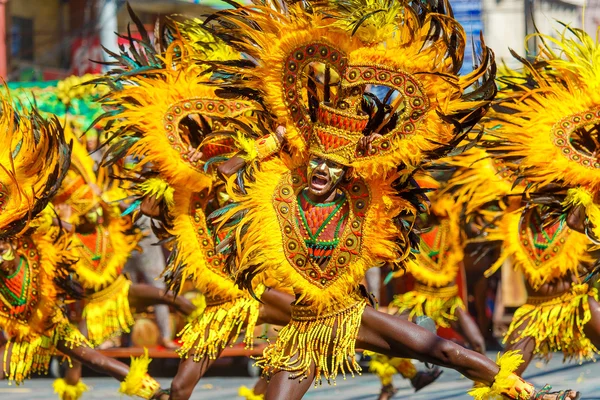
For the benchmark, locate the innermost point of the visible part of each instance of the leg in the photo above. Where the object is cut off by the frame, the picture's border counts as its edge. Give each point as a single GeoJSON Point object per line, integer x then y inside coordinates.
{"type": "Point", "coordinates": [276, 308]}
{"type": "Point", "coordinates": [146, 295]}
{"type": "Point", "coordinates": [95, 360]}
{"type": "Point", "coordinates": [5, 352]}
{"type": "Point", "coordinates": [393, 336]}
{"type": "Point", "coordinates": [188, 376]}
{"type": "Point", "coordinates": [282, 387]}
{"type": "Point", "coordinates": [466, 326]}
{"type": "Point", "coordinates": [151, 263]}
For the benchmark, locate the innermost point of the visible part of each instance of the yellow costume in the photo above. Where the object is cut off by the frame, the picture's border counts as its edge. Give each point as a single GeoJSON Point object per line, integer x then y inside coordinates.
{"type": "Point", "coordinates": [163, 112]}
{"type": "Point", "coordinates": [102, 251]}
{"type": "Point", "coordinates": [436, 263]}
{"type": "Point", "coordinates": [550, 112]}
{"type": "Point", "coordinates": [33, 162]}
{"type": "Point", "coordinates": [311, 72]}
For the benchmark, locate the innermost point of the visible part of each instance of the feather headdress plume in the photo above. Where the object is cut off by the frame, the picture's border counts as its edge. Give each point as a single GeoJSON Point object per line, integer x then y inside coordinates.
{"type": "Point", "coordinates": [34, 158]}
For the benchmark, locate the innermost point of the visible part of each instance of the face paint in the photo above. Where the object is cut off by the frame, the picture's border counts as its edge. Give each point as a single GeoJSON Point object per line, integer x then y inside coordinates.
{"type": "Point", "coordinates": [336, 172]}
{"type": "Point", "coordinates": [8, 254]}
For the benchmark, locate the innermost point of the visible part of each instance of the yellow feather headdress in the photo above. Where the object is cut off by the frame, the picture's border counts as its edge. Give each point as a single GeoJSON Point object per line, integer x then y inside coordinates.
{"type": "Point", "coordinates": [399, 58]}
{"type": "Point", "coordinates": [550, 118]}
{"type": "Point", "coordinates": [34, 158]}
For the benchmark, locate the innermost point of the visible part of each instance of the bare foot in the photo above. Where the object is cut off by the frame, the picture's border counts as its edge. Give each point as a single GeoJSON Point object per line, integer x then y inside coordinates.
{"type": "Point", "coordinates": [545, 394]}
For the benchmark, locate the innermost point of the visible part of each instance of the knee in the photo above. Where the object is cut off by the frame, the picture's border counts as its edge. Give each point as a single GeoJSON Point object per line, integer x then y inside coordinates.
{"type": "Point", "coordinates": [180, 390]}
{"type": "Point", "coordinates": [444, 350]}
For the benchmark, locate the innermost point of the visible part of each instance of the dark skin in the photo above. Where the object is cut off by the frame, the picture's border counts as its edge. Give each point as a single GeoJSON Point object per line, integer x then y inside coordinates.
{"type": "Point", "coordinates": [575, 220]}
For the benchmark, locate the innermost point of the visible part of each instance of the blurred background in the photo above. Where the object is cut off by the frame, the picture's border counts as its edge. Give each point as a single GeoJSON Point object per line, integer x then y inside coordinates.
{"type": "Point", "coordinates": [51, 39]}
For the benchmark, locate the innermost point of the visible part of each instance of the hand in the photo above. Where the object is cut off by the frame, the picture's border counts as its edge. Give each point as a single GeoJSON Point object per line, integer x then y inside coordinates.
{"type": "Point", "coordinates": [280, 133]}
{"type": "Point", "coordinates": [150, 206]}
{"type": "Point", "coordinates": [366, 142]}
{"type": "Point", "coordinates": [194, 155]}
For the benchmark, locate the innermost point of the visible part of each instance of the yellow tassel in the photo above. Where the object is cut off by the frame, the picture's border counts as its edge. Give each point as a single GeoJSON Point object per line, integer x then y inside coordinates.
{"type": "Point", "coordinates": [108, 313]}
{"type": "Point", "coordinates": [69, 392]}
{"type": "Point", "coordinates": [438, 304]}
{"type": "Point", "coordinates": [504, 381]}
{"type": "Point", "coordinates": [33, 354]}
{"type": "Point", "coordinates": [220, 324]}
{"type": "Point", "coordinates": [138, 382]}
{"type": "Point", "coordinates": [580, 196]}
{"type": "Point", "coordinates": [556, 324]}
{"type": "Point", "coordinates": [305, 341]}
{"type": "Point", "coordinates": [249, 394]}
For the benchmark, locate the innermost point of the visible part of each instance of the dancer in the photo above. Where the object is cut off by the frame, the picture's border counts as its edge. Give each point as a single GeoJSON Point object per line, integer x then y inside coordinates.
{"type": "Point", "coordinates": [181, 189]}
{"type": "Point", "coordinates": [34, 260]}
{"type": "Point", "coordinates": [554, 115]}
{"type": "Point", "coordinates": [435, 295]}
{"type": "Point", "coordinates": [332, 200]}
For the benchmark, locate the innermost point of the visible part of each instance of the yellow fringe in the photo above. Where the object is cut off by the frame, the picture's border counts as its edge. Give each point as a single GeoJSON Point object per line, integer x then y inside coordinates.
{"type": "Point", "coordinates": [580, 196]}
{"type": "Point", "coordinates": [306, 341]}
{"type": "Point", "coordinates": [434, 303]}
{"type": "Point", "coordinates": [504, 381]}
{"type": "Point", "coordinates": [219, 325]}
{"type": "Point", "coordinates": [138, 382]}
{"type": "Point", "coordinates": [33, 355]}
{"type": "Point", "coordinates": [69, 392]}
{"type": "Point", "coordinates": [248, 394]}
{"type": "Point", "coordinates": [107, 313]}
{"type": "Point", "coordinates": [385, 367]}
{"type": "Point", "coordinates": [556, 324]}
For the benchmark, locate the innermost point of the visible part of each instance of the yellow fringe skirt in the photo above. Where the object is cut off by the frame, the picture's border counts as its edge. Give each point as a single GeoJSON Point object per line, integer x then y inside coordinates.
{"type": "Point", "coordinates": [219, 325]}
{"type": "Point", "coordinates": [556, 324]}
{"type": "Point", "coordinates": [33, 354]}
{"type": "Point", "coordinates": [439, 304]}
{"type": "Point", "coordinates": [325, 342]}
{"type": "Point", "coordinates": [107, 313]}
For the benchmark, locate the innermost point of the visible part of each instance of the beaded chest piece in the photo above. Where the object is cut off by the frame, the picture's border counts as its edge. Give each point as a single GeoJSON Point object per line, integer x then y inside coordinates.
{"type": "Point", "coordinates": [321, 240]}
{"type": "Point", "coordinates": [434, 247]}
{"type": "Point", "coordinates": [95, 249]}
{"type": "Point", "coordinates": [542, 243]}
{"type": "Point", "coordinates": [20, 291]}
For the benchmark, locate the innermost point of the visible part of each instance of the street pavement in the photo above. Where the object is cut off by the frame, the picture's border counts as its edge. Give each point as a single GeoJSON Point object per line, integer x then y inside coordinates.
{"type": "Point", "coordinates": [451, 385]}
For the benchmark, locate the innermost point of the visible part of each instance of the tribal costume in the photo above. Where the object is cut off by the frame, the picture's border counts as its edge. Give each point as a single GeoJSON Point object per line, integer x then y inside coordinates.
{"type": "Point", "coordinates": [160, 118]}
{"type": "Point", "coordinates": [551, 112]}
{"type": "Point", "coordinates": [102, 246]}
{"type": "Point", "coordinates": [312, 67]}
{"type": "Point", "coordinates": [35, 262]}
{"type": "Point", "coordinates": [34, 161]}
{"type": "Point", "coordinates": [437, 262]}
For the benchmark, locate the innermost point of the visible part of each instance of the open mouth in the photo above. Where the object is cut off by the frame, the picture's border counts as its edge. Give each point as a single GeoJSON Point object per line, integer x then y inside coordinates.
{"type": "Point", "coordinates": [318, 182]}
